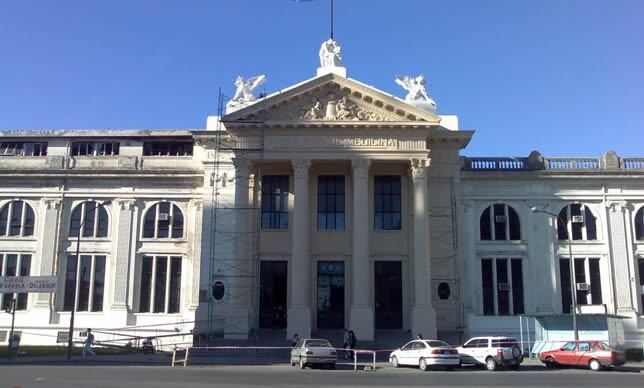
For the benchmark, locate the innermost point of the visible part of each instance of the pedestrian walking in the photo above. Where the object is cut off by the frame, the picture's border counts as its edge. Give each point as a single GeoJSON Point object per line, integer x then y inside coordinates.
{"type": "Point", "coordinates": [295, 340]}
{"type": "Point", "coordinates": [87, 345]}
{"type": "Point", "coordinates": [346, 344]}
{"type": "Point", "coordinates": [419, 336]}
{"type": "Point", "coordinates": [353, 341]}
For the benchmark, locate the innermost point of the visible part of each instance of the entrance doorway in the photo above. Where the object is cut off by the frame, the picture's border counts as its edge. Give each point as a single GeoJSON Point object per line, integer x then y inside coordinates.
{"type": "Point", "coordinates": [272, 294]}
{"type": "Point", "coordinates": [330, 314]}
{"type": "Point", "coordinates": [388, 294]}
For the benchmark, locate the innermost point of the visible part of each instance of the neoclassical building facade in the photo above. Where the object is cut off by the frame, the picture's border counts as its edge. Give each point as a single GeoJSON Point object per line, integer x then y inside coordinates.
{"type": "Point", "coordinates": [326, 205]}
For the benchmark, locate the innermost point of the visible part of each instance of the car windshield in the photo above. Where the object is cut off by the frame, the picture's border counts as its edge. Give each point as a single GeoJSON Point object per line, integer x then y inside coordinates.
{"type": "Point", "coordinates": [318, 344]}
{"type": "Point", "coordinates": [438, 344]}
{"type": "Point", "coordinates": [504, 343]}
{"type": "Point", "coordinates": [603, 345]}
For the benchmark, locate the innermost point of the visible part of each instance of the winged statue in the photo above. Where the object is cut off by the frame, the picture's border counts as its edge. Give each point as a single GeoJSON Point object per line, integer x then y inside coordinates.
{"type": "Point", "coordinates": [415, 87]}
{"type": "Point", "coordinates": [244, 93]}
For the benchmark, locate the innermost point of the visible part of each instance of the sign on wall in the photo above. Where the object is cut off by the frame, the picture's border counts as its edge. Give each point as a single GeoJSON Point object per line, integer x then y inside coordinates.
{"type": "Point", "coordinates": [11, 284]}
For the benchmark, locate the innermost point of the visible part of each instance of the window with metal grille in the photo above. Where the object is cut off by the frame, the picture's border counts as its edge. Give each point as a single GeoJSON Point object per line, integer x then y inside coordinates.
{"type": "Point", "coordinates": [502, 282]}
{"type": "Point", "coordinates": [275, 202]}
{"type": "Point", "coordinates": [16, 219]}
{"type": "Point", "coordinates": [95, 148]}
{"type": "Point", "coordinates": [387, 197]}
{"type": "Point", "coordinates": [13, 148]}
{"type": "Point", "coordinates": [640, 267]}
{"type": "Point", "coordinates": [163, 220]}
{"type": "Point", "coordinates": [639, 224]}
{"type": "Point", "coordinates": [588, 288]}
{"type": "Point", "coordinates": [500, 222]}
{"type": "Point", "coordinates": [62, 337]}
{"type": "Point", "coordinates": [331, 202]}
{"type": "Point", "coordinates": [85, 282]}
{"type": "Point", "coordinates": [578, 220]}
{"type": "Point", "coordinates": [15, 264]}
{"type": "Point", "coordinates": [167, 148]}
{"type": "Point", "coordinates": [160, 284]}
{"type": "Point", "coordinates": [93, 217]}
{"type": "Point", "coordinates": [3, 336]}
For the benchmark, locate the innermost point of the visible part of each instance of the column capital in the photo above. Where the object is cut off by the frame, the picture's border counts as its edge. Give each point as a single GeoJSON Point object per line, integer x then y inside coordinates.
{"type": "Point", "coordinates": [196, 203]}
{"type": "Point", "coordinates": [418, 168]}
{"type": "Point", "coordinates": [618, 206]}
{"type": "Point", "coordinates": [241, 163]}
{"type": "Point", "coordinates": [125, 203]}
{"type": "Point", "coordinates": [51, 202]}
{"type": "Point", "coordinates": [301, 167]}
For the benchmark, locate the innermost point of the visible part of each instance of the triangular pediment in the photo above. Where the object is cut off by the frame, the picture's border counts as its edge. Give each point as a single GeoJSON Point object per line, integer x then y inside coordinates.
{"type": "Point", "coordinates": [331, 99]}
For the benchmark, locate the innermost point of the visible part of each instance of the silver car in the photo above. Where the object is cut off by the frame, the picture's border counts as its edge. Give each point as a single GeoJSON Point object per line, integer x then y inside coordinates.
{"type": "Point", "coordinates": [313, 351]}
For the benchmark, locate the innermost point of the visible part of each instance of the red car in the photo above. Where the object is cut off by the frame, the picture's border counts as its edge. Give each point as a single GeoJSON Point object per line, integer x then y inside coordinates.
{"type": "Point", "coordinates": [593, 354]}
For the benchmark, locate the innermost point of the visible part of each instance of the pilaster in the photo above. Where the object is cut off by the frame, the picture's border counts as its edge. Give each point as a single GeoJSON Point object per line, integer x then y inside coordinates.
{"type": "Point", "coordinates": [49, 214]}
{"type": "Point", "coordinates": [619, 252]}
{"type": "Point", "coordinates": [122, 212]}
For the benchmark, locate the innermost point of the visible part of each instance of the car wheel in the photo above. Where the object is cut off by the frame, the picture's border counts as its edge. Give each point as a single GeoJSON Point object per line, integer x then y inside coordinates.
{"type": "Point", "coordinates": [594, 365]}
{"type": "Point", "coordinates": [550, 363]}
{"type": "Point", "coordinates": [291, 361]}
{"type": "Point", "coordinates": [490, 364]}
{"type": "Point", "coordinates": [422, 364]}
{"type": "Point", "coordinates": [302, 363]}
{"type": "Point", "coordinates": [394, 362]}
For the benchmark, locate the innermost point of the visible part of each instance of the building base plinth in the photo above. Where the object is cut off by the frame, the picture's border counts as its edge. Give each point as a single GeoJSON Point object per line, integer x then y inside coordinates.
{"type": "Point", "coordinates": [299, 322]}
{"type": "Point", "coordinates": [361, 322]}
{"type": "Point", "coordinates": [237, 324]}
{"type": "Point", "coordinates": [423, 321]}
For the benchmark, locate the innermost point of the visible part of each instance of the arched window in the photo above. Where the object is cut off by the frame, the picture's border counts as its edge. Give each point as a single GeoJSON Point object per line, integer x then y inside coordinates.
{"type": "Point", "coordinates": [16, 219]}
{"type": "Point", "coordinates": [579, 220]}
{"type": "Point", "coordinates": [500, 222]}
{"type": "Point", "coordinates": [163, 220]}
{"type": "Point", "coordinates": [93, 218]}
{"type": "Point", "coordinates": [639, 227]}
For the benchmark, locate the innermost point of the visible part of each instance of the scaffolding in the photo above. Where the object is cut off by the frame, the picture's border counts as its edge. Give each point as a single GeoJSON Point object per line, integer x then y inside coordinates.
{"type": "Point", "coordinates": [240, 275]}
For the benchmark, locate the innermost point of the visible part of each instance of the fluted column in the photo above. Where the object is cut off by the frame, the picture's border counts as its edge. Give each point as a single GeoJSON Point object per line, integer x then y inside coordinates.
{"type": "Point", "coordinates": [299, 312]}
{"type": "Point", "coordinates": [361, 318]}
{"type": "Point", "coordinates": [237, 271]}
{"type": "Point", "coordinates": [621, 257]}
{"type": "Point", "coordinates": [423, 316]}
{"type": "Point", "coordinates": [123, 211]}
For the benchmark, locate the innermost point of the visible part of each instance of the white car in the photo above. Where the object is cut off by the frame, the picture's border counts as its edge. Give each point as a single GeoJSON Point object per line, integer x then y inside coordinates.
{"type": "Point", "coordinates": [313, 351]}
{"type": "Point", "coordinates": [491, 352]}
{"type": "Point", "coordinates": [425, 353]}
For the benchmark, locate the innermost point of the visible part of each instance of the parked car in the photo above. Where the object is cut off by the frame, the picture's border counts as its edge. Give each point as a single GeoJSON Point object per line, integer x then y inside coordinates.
{"type": "Point", "coordinates": [491, 352]}
{"type": "Point", "coordinates": [307, 352]}
{"type": "Point", "coordinates": [425, 353]}
{"type": "Point", "coordinates": [593, 354]}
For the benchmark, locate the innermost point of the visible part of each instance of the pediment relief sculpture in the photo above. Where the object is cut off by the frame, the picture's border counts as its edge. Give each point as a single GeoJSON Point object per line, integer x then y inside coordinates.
{"type": "Point", "coordinates": [332, 108]}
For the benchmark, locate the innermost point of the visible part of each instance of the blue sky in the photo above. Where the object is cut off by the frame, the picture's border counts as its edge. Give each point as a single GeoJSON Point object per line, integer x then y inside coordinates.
{"type": "Point", "coordinates": [562, 77]}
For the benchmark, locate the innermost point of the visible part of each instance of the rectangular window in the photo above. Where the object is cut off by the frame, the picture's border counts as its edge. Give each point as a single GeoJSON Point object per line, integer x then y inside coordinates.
{"type": "Point", "coordinates": [13, 264]}
{"type": "Point", "coordinates": [167, 148]}
{"type": "Point", "coordinates": [85, 287]}
{"type": "Point", "coordinates": [331, 202]}
{"type": "Point", "coordinates": [640, 265]}
{"type": "Point", "coordinates": [588, 282]}
{"type": "Point", "coordinates": [386, 202]}
{"type": "Point", "coordinates": [160, 284]}
{"type": "Point", "coordinates": [23, 149]}
{"type": "Point", "coordinates": [502, 286]}
{"type": "Point", "coordinates": [95, 148]}
{"type": "Point", "coordinates": [275, 202]}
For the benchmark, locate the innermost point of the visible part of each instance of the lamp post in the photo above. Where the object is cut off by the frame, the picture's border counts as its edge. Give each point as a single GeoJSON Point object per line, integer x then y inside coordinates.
{"type": "Point", "coordinates": [70, 335]}
{"type": "Point", "coordinates": [573, 285]}
{"type": "Point", "coordinates": [11, 309]}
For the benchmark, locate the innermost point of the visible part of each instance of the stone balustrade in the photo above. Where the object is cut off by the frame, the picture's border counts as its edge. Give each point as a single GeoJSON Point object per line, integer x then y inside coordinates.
{"type": "Point", "coordinates": [536, 162]}
{"type": "Point", "coordinates": [98, 163]}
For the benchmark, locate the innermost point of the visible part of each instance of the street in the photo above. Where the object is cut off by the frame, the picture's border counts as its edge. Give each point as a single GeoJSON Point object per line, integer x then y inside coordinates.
{"type": "Point", "coordinates": [85, 375]}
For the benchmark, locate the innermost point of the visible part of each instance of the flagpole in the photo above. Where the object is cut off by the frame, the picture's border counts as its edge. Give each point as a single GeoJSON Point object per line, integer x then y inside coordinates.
{"type": "Point", "coordinates": [331, 19]}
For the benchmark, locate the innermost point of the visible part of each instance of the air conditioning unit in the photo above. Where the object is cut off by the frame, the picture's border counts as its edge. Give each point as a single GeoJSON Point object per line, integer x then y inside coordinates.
{"type": "Point", "coordinates": [504, 286]}
{"type": "Point", "coordinates": [163, 216]}
{"type": "Point", "coordinates": [578, 219]}
{"type": "Point", "coordinates": [583, 286]}
{"type": "Point", "coordinates": [499, 219]}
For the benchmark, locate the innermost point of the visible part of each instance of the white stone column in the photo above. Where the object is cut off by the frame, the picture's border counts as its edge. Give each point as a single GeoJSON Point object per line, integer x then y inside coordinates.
{"type": "Point", "coordinates": [238, 317]}
{"type": "Point", "coordinates": [122, 212]}
{"type": "Point", "coordinates": [620, 253]}
{"type": "Point", "coordinates": [361, 319]}
{"type": "Point", "coordinates": [423, 315]}
{"type": "Point", "coordinates": [299, 312]}
{"type": "Point", "coordinates": [540, 231]}
{"type": "Point", "coordinates": [49, 211]}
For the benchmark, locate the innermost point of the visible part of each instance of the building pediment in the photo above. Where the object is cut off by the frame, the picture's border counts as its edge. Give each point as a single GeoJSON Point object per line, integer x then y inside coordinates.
{"type": "Point", "coordinates": [331, 100]}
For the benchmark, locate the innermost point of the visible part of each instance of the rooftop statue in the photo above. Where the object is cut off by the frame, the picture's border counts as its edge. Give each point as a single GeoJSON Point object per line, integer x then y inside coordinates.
{"type": "Point", "coordinates": [243, 94]}
{"type": "Point", "coordinates": [330, 54]}
{"type": "Point", "coordinates": [415, 87]}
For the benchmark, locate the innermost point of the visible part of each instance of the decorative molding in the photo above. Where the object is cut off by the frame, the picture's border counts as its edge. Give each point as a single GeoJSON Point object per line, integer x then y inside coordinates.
{"type": "Point", "coordinates": [125, 203]}
{"type": "Point", "coordinates": [222, 178]}
{"type": "Point", "coordinates": [196, 203]}
{"type": "Point", "coordinates": [331, 108]}
{"type": "Point", "coordinates": [418, 168]}
{"type": "Point", "coordinates": [618, 206]}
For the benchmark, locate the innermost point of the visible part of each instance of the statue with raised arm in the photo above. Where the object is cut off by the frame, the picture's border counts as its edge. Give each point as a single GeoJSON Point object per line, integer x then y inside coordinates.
{"type": "Point", "coordinates": [244, 93]}
{"type": "Point", "coordinates": [330, 54]}
{"type": "Point", "coordinates": [415, 87]}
